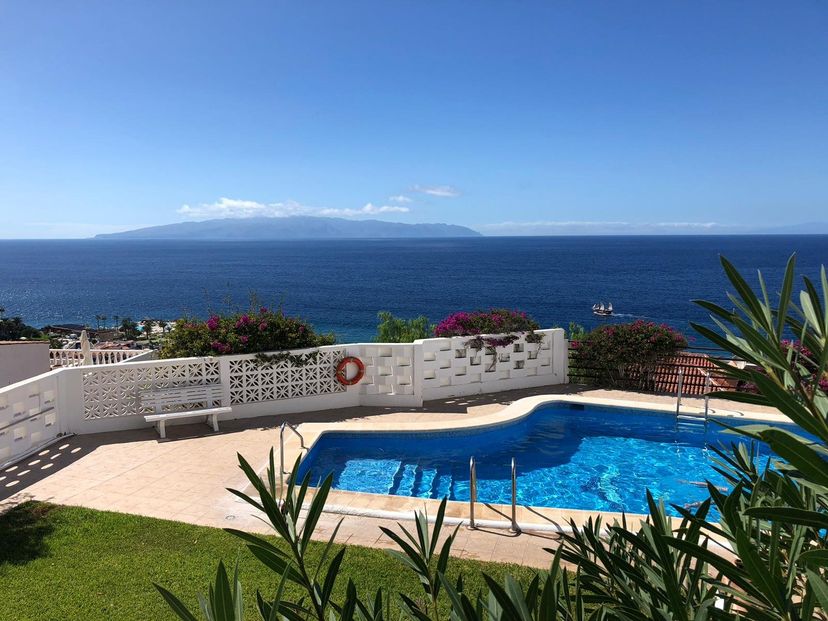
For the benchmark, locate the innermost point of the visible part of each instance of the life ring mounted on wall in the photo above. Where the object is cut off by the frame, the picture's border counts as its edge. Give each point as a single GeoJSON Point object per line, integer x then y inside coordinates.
{"type": "Point", "coordinates": [342, 371]}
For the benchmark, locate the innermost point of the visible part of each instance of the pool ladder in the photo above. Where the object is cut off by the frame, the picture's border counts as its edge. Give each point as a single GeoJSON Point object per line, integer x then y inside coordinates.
{"type": "Point", "coordinates": [286, 425]}
{"type": "Point", "coordinates": [686, 419]}
{"type": "Point", "coordinates": [473, 495]}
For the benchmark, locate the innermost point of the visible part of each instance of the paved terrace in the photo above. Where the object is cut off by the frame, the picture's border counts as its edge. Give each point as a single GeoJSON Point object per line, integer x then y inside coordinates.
{"type": "Point", "coordinates": [184, 477]}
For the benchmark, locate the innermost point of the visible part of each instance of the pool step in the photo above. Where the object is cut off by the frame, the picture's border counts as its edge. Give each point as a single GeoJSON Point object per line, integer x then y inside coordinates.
{"type": "Point", "coordinates": [423, 482]}
{"type": "Point", "coordinates": [695, 423]}
{"type": "Point", "coordinates": [415, 480]}
{"type": "Point", "coordinates": [441, 487]}
{"type": "Point", "coordinates": [404, 479]}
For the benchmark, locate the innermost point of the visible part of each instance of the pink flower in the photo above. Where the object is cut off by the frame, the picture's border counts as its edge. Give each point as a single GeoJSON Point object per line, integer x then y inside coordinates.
{"type": "Point", "coordinates": [262, 326]}
{"type": "Point", "coordinates": [212, 323]}
{"type": "Point", "coordinates": [244, 339]}
{"type": "Point", "coordinates": [244, 320]}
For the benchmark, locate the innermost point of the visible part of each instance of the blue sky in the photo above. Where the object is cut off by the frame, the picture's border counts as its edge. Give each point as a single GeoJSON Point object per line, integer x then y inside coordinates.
{"type": "Point", "coordinates": [507, 117]}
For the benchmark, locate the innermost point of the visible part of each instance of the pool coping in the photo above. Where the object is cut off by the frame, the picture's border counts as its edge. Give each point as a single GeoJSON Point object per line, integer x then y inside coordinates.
{"type": "Point", "coordinates": [488, 515]}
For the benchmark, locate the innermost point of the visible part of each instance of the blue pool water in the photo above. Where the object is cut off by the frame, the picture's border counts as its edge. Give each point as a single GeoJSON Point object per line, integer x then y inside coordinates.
{"type": "Point", "coordinates": [568, 456]}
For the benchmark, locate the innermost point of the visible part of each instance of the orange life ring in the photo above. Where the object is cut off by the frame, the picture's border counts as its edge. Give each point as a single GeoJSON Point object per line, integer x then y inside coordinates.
{"type": "Point", "coordinates": [342, 378]}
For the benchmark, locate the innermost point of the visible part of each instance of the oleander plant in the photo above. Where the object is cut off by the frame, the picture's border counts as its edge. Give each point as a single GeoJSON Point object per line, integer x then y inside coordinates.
{"type": "Point", "coordinates": [756, 551]}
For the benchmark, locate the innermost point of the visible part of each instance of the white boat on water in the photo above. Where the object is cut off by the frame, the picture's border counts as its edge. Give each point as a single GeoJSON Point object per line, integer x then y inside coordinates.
{"type": "Point", "coordinates": [601, 310]}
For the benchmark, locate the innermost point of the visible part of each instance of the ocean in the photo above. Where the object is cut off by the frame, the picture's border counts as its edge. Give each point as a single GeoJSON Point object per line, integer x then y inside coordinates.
{"type": "Point", "coordinates": [341, 285]}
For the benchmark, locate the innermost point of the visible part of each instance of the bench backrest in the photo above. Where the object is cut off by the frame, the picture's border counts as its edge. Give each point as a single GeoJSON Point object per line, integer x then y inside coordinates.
{"type": "Point", "coordinates": [161, 397]}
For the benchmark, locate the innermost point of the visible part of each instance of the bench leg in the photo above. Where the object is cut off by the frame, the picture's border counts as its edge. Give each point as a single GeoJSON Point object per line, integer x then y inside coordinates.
{"type": "Point", "coordinates": [162, 429]}
{"type": "Point", "coordinates": [214, 420]}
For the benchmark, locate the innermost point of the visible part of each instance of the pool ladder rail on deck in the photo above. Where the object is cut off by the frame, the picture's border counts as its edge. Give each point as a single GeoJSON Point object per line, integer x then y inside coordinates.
{"type": "Point", "coordinates": [686, 420]}
{"type": "Point", "coordinates": [282, 472]}
{"type": "Point", "coordinates": [473, 495]}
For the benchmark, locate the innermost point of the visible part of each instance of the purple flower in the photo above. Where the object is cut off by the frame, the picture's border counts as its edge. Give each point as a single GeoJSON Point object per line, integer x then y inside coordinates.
{"type": "Point", "coordinates": [212, 323]}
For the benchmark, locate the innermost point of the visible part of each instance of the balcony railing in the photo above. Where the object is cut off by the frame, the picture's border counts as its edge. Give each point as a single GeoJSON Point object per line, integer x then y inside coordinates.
{"type": "Point", "coordinates": [74, 357]}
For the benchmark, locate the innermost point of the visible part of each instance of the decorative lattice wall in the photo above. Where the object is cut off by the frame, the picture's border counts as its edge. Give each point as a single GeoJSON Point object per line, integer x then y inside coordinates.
{"type": "Point", "coordinates": [112, 391]}
{"type": "Point", "coordinates": [401, 374]}
{"type": "Point", "coordinates": [389, 369]}
{"type": "Point", "coordinates": [451, 366]}
{"type": "Point", "coordinates": [251, 382]}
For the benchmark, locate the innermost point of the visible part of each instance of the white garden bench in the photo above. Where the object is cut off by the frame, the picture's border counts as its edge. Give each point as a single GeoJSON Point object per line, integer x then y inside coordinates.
{"type": "Point", "coordinates": [161, 397]}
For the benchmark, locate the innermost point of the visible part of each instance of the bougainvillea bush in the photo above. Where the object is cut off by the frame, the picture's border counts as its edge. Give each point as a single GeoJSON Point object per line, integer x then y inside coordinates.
{"type": "Point", "coordinates": [254, 331]}
{"type": "Point", "coordinates": [620, 355]}
{"type": "Point", "coordinates": [499, 321]}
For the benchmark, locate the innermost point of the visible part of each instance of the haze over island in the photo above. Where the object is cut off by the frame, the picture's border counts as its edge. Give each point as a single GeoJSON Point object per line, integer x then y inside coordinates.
{"type": "Point", "coordinates": [262, 228]}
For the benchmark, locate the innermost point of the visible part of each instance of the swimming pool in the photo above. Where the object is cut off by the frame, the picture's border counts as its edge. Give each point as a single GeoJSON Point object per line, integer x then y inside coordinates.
{"type": "Point", "coordinates": [571, 456]}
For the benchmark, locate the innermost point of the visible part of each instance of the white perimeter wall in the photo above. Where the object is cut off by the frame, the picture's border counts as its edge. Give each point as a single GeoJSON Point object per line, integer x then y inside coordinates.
{"type": "Point", "coordinates": [20, 360]}
{"type": "Point", "coordinates": [101, 398]}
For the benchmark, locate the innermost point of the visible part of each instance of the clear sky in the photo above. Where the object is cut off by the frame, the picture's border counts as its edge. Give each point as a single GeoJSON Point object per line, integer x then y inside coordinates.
{"type": "Point", "coordinates": [511, 117]}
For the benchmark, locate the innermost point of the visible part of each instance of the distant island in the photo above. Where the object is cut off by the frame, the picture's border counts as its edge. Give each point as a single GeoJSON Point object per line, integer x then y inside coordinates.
{"type": "Point", "coordinates": [293, 227]}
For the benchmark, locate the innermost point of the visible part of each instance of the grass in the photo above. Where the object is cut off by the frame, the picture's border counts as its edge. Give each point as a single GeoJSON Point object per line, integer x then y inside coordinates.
{"type": "Point", "coordinates": [60, 562]}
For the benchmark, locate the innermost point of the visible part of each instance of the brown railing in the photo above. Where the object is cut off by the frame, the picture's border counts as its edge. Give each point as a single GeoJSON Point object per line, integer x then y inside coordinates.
{"type": "Point", "coordinates": [662, 376]}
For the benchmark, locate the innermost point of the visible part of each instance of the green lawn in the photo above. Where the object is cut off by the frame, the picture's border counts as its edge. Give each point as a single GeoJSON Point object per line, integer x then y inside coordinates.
{"type": "Point", "coordinates": [60, 563]}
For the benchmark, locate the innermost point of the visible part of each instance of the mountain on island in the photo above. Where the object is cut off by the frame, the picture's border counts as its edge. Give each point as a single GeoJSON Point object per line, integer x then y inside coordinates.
{"type": "Point", "coordinates": [293, 227]}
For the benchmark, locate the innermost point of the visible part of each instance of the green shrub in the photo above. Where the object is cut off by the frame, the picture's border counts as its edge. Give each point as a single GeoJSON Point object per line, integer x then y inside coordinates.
{"type": "Point", "coordinates": [258, 330]}
{"type": "Point", "coordinates": [393, 329]}
{"type": "Point", "coordinates": [13, 329]}
{"type": "Point", "coordinates": [576, 332]}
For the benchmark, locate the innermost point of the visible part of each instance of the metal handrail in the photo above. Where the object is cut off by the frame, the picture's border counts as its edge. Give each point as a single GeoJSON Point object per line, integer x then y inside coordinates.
{"type": "Point", "coordinates": [514, 526]}
{"type": "Point", "coordinates": [678, 391]}
{"type": "Point", "coordinates": [286, 425]}
{"type": "Point", "coordinates": [472, 491]}
{"type": "Point", "coordinates": [707, 383]}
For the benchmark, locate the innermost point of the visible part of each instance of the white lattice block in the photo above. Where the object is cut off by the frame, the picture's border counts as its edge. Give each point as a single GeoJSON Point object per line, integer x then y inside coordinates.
{"type": "Point", "coordinates": [112, 390]}
{"type": "Point", "coordinates": [437, 345]}
{"type": "Point", "coordinates": [251, 382]}
{"type": "Point", "coordinates": [435, 364]}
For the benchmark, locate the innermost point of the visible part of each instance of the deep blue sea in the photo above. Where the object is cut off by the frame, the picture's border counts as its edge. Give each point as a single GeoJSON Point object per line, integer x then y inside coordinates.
{"type": "Point", "coordinates": [340, 285]}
